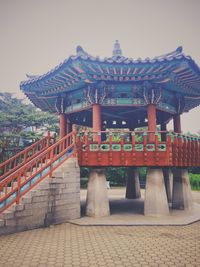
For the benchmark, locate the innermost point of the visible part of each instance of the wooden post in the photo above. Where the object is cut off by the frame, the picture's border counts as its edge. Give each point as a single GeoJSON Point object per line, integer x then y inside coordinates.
{"type": "Point", "coordinates": [151, 113]}
{"type": "Point", "coordinates": [96, 120]}
{"type": "Point", "coordinates": [63, 121]}
{"type": "Point", "coordinates": [177, 123]}
{"type": "Point", "coordinates": [163, 127]}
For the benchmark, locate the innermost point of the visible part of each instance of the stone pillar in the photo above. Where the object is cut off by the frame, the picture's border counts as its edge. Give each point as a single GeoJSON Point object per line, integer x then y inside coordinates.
{"type": "Point", "coordinates": [96, 120]}
{"type": "Point", "coordinates": [155, 203]}
{"type": "Point", "coordinates": [133, 184]}
{"type": "Point", "coordinates": [97, 203]}
{"type": "Point", "coordinates": [63, 123]}
{"type": "Point", "coordinates": [168, 179]}
{"type": "Point", "coordinates": [151, 113]}
{"type": "Point", "coordinates": [182, 195]}
{"type": "Point", "coordinates": [177, 123]}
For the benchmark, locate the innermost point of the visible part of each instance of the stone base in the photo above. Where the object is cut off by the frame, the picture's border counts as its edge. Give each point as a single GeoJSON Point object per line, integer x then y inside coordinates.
{"type": "Point", "coordinates": [133, 184]}
{"type": "Point", "coordinates": [182, 194]}
{"type": "Point", "coordinates": [54, 200]}
{"type": "Point", "coordinates": [128, 212]}
{"type": "Point", "coordinates": [156, 203]}
{"type": "Point", "coordinates": [97, 203]}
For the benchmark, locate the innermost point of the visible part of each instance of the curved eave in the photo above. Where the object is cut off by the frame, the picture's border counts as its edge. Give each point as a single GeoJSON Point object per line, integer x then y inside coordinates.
{"type": "Point", "coordinates": [76, 69]}
{"type": "Point", "coordinates": [173, 71]}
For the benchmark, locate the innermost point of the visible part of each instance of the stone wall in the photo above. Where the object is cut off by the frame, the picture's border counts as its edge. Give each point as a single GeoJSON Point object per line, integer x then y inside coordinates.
{"type": "Point", "coordinates": [55, 200]}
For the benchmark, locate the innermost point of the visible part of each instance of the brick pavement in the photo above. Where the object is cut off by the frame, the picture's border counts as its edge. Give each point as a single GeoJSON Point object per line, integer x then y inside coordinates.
{"type": "Point", "coordinates": [72, 245]}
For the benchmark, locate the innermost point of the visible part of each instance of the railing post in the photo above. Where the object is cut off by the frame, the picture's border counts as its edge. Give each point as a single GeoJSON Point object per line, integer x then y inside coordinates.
{"type": "Point", "coordinates": [193, 151]}
{"type": "Point", "coordinates": [79, 146]}
{"type": "Point", "coordinates": [133, 147]}
{"type": "Point", "coordinates": [122, 146]}
{"type": "Point", "coordinates": [175, 150]}
{"type": "Point", "coordinates": [48, 138]}
{"type": "Point", "coordinates": [98, 138]}
{"type": "Point", "coordinates": [198, 158]}
{"type": "Point", "coordinates": [157, 154]}
{"type": "Point", "coordinates": [144, 140]}
{"type": "Point", "coordinates": [122, 140]}
{"type": "Point", "coordinates": [110, 152]}
{"type": "Point", "coordinates": [189, 151]}
{"type": "Point", "coordinates": [169, 149]}
{"type": "Point", "coordinates": [184, 151]}
{"type": "Point", "coordinates": [144, 137]}
{"type": "Point", "coordinates": [51, 162]}
{"type": "Point", "coordinates": [25, 157]}
{"type": "Point", "coordinates": [18, 187]}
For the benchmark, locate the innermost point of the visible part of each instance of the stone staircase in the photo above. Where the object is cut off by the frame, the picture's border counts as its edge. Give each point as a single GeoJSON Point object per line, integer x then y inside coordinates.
{"type": "Point", "coordinates": [54, 200]}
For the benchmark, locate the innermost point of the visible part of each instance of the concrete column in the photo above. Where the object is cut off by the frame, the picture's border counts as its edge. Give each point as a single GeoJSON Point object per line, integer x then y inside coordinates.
{"type": "Point", "coordinates": [96, 120]}
{"type": "Point", "coordinates": [177, 123]}
{"type": "Point", "coordinates": [182, 195]}
{"type": "Point", "coordinates": [97, 203]}
{"type": "Point", "coordinates": [155, 203]}
{"type": "Point", "coordinates": [133, 184]}
{"type": "Point", "coordinates": [63, 123]}
{"type": "Point", "coordinates": [168, 179]}
{"type": "Point", "coordinates": [151, 113]}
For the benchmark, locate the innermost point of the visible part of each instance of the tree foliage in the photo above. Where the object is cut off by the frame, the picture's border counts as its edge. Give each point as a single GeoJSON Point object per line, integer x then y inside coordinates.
{"type": "Point", "coordinates": [16, 116]}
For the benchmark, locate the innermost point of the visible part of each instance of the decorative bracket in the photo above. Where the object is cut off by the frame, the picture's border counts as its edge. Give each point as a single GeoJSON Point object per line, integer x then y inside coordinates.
{"type": "Point", "coordinates": [60, 104]}
{"type": "Point", "coordinates": [180, 103]}
{"type": "Point", "coordinates": [152, 96]}
{"type": "Point", "coordinates": [95, 96]}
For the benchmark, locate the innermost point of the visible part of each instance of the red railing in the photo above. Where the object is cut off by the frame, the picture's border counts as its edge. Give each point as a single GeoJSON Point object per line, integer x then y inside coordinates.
{"type": "Point", "coordinates": [12, 164]}
{"type": "Point", "coordinates": [18, 183]}
{"type": "Point", "coordinates": [186, 151]}
{"type": "Point", "coordinates": [137, 148]}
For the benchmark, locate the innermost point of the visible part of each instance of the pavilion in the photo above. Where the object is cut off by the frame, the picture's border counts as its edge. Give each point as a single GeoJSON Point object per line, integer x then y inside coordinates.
{"type": "Point", "coordinates": [123, 93]}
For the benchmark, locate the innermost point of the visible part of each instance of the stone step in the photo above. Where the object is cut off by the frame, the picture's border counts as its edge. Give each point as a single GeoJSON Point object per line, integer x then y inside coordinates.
{"type": "Point", "coordinates": [7, 214]}
{"type": "Point", "coordinates": [60, 194]}
{"type": "Point", "coordinates": [16, 207]}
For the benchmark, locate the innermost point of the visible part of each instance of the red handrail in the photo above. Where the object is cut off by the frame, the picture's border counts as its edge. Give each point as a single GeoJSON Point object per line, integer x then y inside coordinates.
{"type": "Point", "coordinates": [164, 149]}
{"type": "Point", "coordinates": [15, 162]}
{"type": "Point", "coordinates": [18, 183]}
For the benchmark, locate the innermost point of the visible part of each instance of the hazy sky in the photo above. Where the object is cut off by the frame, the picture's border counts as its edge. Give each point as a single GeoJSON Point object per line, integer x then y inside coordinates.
{"type": "Point", "coordinates": [36, 35]}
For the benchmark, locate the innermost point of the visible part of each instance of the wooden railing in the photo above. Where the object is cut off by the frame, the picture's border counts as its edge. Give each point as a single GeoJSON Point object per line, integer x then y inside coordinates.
{"type": "Point", "coordinates": [12, 164]}
{"type": "Point", "coordinates": [18, 183]}
{"type": "Point", "coordinates": [137, 148]}
{"type": "Point", "coordinates": [124, 148]}
{"type": "Point", "coordinates": [186, 151]}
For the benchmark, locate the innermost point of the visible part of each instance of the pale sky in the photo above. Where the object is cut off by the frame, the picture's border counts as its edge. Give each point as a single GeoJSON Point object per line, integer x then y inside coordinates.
{"type": "Point", "coordinates": [37, 35]}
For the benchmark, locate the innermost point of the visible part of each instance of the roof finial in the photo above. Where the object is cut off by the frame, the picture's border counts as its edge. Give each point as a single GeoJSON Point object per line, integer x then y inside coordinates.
{"type": "Point", "coordinates": [80, 51]}
{"type": "Point", "coordinates": [117, 52]}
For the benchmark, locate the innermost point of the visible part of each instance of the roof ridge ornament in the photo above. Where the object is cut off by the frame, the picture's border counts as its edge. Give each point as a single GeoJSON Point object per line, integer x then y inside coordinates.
{"type": "Point", "coordinates": [117, 52]}
{"type": "Point", "coordinates": [179, 49]}
{"type": "Point", "coordinates": [80, 51]}
{"type": "Point", "coordinates": [172, 54]}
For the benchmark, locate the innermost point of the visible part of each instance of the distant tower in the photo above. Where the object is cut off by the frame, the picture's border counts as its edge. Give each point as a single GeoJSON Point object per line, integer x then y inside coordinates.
{"type": "Point", "coordinates": [117, 52]}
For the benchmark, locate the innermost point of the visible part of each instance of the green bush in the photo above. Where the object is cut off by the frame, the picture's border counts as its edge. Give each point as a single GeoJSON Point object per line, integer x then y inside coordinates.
{"type": "Point", "coordinates": [195, 181]}
{"type": "Point", "coordinates": [117, 176]}
{"type": "Point", "coordinates": [84, 182]}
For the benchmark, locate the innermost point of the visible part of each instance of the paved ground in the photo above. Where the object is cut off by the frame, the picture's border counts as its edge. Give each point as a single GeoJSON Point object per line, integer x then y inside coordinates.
{"type": "Point", "coordinates": [131, 212]}
{"type": "Point", "coordinates": [72, 245]}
